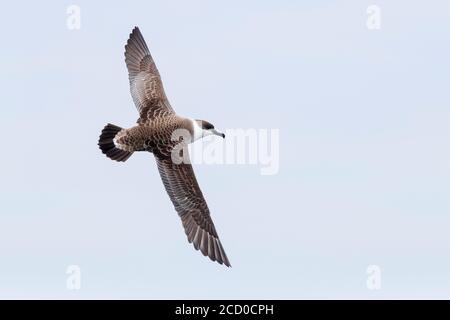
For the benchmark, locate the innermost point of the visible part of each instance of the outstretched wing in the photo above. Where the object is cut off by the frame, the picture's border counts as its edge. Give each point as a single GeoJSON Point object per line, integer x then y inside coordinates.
{"type": "Point", "coordinates": [145, 82]}
{"type": "Point", "coordinates": [182, 187]}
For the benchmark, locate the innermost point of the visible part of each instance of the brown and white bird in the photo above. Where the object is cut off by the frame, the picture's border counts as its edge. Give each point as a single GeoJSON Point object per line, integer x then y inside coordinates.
{"type": "Point", "coordinates": [154, 133]}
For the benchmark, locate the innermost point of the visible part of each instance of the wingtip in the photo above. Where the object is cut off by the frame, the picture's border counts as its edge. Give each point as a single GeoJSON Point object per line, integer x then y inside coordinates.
{"type": "Point", "coordinates": [136, 32]}
{"type": "Point", "coordinates": [221, 258]}
{"type": "Point", "coordinates": [133, 32]}
{"type": "Point", "coordinates": [220, 261]}
{"type": "Point", "coordinates": [225, 263]}
{"type": "Point", "coordinates": [196, 241]}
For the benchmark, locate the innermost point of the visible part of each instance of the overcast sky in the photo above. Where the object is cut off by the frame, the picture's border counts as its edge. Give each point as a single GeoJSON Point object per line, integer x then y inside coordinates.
{"type": "Point", "coordinates": [364, 158]}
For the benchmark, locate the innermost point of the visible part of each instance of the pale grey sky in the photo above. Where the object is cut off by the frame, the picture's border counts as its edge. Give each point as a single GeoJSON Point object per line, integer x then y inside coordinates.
{"type": "Point", "coordinates": [364, 149]}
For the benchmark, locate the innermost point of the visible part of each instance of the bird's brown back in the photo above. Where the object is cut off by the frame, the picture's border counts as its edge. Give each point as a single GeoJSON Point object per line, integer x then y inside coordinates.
{"type": "Point", "coordinates": [154, 135]}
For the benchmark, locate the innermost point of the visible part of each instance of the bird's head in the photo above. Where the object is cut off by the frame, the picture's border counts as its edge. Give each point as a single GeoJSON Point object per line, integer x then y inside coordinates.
{"type": "Point", "coordinates": [203, 128]}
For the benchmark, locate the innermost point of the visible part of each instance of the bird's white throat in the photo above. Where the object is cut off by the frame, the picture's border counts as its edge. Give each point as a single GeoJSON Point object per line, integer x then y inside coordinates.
{"type": "Point", "coordinates": [199, 132]}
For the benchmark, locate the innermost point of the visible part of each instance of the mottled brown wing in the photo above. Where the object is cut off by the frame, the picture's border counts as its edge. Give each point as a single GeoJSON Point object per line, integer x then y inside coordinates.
{"type": "Point", "coordinates": [145, 82]}
{"type": "Point", "coordinates": [182, 187]}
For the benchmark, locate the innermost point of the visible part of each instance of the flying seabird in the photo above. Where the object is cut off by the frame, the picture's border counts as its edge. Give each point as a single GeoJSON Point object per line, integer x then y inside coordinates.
{"type": "Point", "coordinates": [153, 133]}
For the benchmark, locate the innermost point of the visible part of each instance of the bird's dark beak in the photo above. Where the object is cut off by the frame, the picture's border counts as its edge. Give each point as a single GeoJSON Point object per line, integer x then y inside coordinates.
{"type": "Point", "coordinates": [217, 133]}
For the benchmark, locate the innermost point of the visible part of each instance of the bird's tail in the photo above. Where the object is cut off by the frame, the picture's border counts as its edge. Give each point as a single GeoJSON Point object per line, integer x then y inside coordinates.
{"type": "Point", "coordinates": [107, 145]}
